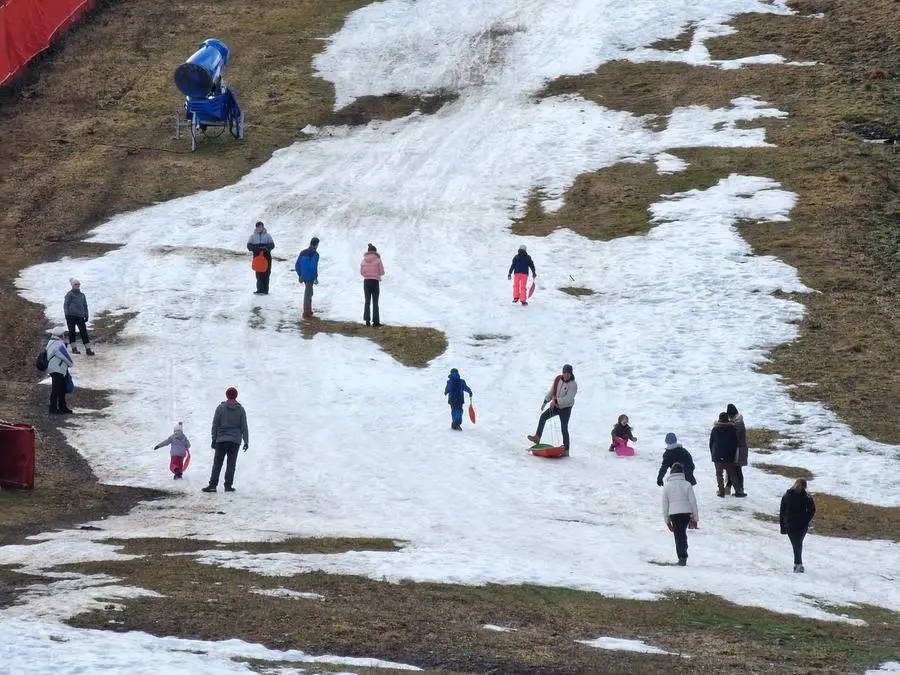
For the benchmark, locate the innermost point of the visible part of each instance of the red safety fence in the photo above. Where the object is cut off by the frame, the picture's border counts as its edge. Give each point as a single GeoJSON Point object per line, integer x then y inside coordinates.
{"type": "Point", "coordinates": [16, 456]}
{"type": "Point", "coordinates": [27, 27]}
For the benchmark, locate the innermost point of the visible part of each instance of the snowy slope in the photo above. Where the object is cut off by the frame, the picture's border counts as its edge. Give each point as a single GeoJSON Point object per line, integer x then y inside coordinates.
{"type": "Point", "coordinates": [346, 441]}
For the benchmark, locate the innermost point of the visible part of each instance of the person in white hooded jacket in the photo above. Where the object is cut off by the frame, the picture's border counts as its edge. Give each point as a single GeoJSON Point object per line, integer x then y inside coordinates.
{"type": "Point", "coordinates": [58, 363]}
{"type": "Point", "coordinates": [679, 506]}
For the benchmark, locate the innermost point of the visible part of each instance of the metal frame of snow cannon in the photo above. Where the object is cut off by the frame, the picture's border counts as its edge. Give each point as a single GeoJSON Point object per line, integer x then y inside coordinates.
{"type": "Point", "coordinates": [208, 102]}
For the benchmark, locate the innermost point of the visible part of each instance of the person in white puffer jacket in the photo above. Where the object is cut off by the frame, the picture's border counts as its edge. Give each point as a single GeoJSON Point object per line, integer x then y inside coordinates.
{"type": "Point", "coordinates": [679, 506]}
{"type": "Point", "coordinates": [58, 363]}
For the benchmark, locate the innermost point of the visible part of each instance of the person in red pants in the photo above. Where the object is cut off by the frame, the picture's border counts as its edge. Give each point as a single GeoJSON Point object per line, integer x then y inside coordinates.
{"type": "Point", "coordinates": [521, 263]}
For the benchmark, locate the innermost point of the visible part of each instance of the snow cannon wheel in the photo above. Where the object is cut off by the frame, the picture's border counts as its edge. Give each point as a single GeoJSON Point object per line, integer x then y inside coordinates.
{"type": "Point", "coordinates": [548, 451]}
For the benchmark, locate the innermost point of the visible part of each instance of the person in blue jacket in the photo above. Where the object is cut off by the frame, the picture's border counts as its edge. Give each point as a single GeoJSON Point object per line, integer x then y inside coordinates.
{"type": "Point", "coordinates": [307, 268]}
{"type": "Point", "coordinates": [456, 398]}
{"type": "Point", "coordinates": [521, 263]}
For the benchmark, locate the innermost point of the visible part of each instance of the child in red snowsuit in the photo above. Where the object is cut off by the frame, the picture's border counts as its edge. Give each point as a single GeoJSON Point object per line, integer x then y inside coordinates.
{"type": "Point", "coordinates": [178, 451]}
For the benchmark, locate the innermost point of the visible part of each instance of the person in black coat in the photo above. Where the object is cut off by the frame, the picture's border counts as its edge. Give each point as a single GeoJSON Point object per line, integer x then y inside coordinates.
{"type": "Point", "coordinates": [723, 449]}
{"type": "Point", "coordinates": [797, 511]}
{"type": "Point", "coordinates": [676, 454]}
{"type": "Point", "coordinates": [261, 242]}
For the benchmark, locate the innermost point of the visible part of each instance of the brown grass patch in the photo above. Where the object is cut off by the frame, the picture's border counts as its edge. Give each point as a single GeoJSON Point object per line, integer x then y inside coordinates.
{"type": "Point", "coordinates": [762, 440]}
{"type": "Point", "coordinates": [155, 546]}
{"type": "Point", "coordinates": [794, 472]}
{"type": "Point", "coordinates": [440, 626]}
{"type": "Point", "coordinates": [578, 291]}
{"type": "Point", "coordinates": [839, 517]}
{"type": "Point", "coordinates": [410, 345]}
{"type": "Point", "coordinates": [388, 107]}
{"type": "Point", "coordinates": [681, 41]}
{"type": "Point", "coordinates": [842, 235]}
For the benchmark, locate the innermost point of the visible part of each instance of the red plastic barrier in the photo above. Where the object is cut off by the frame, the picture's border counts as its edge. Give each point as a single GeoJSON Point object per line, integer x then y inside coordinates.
{"type": "Point", "coordinates": [16, 456]}
{"type": "Point", "coordinates": [27, 27]}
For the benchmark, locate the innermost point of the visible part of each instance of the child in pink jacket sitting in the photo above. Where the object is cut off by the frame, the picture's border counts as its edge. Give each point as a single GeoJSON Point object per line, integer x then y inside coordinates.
{"type": "Point", "coordinates": [178, 451]}
{"type": "Point", "coordinates": [372, 269]}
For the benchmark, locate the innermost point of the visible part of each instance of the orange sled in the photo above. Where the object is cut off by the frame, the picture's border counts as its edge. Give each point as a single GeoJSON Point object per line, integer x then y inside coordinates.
{"type": "Point", "coordinates": [549, 451]}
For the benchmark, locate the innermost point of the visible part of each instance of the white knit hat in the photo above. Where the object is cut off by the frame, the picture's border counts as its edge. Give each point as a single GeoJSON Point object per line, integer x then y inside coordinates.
{"type": "Point", "coordinates": [179, 426]}
{"type": "Point", "coordinates": [73, 281]}
{"type": "Point", "coordinates": [522, 248]}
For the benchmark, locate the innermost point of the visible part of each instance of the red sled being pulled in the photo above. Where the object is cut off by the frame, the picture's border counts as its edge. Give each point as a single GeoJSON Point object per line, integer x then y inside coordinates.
{"type": "Point", "coordinates": [548, 451]}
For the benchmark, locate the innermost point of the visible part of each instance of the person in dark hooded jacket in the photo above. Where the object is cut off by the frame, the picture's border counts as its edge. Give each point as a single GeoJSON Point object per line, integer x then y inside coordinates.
{"type": "Point", "coordinates": [743, 451]}
{"type": "Point", "coordinates": [723, 448]}
{"type": "Point", "coordinates": [456, 398]}
{"type": "Point", "coordinates": [675, 453]}
{"type": "Point", "coordinates": [229, 427]}
{"type": "Point", "coordinates": [521, 263]}
{"type": "Point", "coordinates": [797, 511]}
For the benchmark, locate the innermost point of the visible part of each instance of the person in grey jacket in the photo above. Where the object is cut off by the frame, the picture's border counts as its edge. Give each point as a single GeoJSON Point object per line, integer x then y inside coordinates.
{"type": "Point", "coordinates": [75, 309]}
{"type": "Point", "coordinates": [561, 398]}
{"type": "Point", "coordinates": [229, 427]}
{"type": "Point", "coordinates": [261, 242]}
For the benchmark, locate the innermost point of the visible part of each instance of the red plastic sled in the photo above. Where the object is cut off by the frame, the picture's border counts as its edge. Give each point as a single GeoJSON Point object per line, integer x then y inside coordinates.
{"type": "Point", "coordinates": [620, 445]}
{"type": "Point", "coordinates": [187, 461]}
{"type": "Point", "coordinates": [548, 451]}
{"type": "Point", "coordinates": [471, 413]}
{"type": "Point", "coordinates": [531, 290]}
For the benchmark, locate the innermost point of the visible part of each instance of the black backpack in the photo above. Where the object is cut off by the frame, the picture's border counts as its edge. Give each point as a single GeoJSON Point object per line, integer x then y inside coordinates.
{"type": "Point", "coordinates": [42, 362]}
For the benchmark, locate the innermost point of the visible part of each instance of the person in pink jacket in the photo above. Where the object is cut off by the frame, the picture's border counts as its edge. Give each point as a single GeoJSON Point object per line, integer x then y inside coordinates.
{"type": "Point", "coordinates": [372, 269]}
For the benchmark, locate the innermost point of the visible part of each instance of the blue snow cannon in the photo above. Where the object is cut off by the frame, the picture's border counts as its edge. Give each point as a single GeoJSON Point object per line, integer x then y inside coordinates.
{"type": "Point", "coordinates": [208, 102]}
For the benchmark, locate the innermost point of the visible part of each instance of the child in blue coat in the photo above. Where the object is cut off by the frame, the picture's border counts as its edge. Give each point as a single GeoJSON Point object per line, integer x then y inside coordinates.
{"type": "Point", "coordinates": [456, 398]}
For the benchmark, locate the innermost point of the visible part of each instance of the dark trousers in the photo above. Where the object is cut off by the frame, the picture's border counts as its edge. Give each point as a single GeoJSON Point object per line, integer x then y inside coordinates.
{"type": "Point", "coordinates": [308, 292]}
{"type": "Point", "coordinates": [796, 538]}
{"type": "Point", "coordinates": [262, 278]}
{"type": "Point", "coordinates": [57, 392]}
{"type": "Point", "coordinates": [371, 289]}
{"type": "Point", "coordinates": [739, 473]}
{"type": "Point", "coordinates": [564, 414]}
{"type": "Point", "coordinates": [680, 523]}
{"type": "Point", "coordinates": [728, 469]}
{"type": "Point", "coordinates": [74, 322]}
{"type": "Point", "coordinates": [224, 451]}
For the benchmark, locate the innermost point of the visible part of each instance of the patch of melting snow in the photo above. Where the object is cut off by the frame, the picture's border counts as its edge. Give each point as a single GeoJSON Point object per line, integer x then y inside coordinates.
{"type": "Point", "coordinates": [623, 645]}
{"type": "Point", "coordinates": [889, 667]}
{"type": "Point", "coordinates": [499, 629]}
{"type": "Point", "coordinates": [667, 163]}
{"type": "Point", "coordinates": [287, 593]}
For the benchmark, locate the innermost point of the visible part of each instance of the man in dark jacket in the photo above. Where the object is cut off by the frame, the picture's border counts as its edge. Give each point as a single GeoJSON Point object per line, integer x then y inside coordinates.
{"type": "Point", "coordinates": [261, 242]}
{"type": "Point", "coordinates": [521, 263]}
{"type": "Point", "coordinates": [229, 428]}
{"type": "Point", "coordinates": [307, 268]}
{"type": "Point", "coordinates": [723, 447]}
{"type": "Point", "coordinates": [675, 453]}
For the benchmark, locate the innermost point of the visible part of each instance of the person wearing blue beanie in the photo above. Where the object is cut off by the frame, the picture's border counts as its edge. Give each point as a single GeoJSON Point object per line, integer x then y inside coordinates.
{"type": "Point", "coordinates": [676, 453]}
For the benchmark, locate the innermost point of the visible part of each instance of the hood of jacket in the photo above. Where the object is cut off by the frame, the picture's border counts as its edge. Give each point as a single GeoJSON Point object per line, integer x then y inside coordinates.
{"type": "Point", "coordinates": [371, 255]}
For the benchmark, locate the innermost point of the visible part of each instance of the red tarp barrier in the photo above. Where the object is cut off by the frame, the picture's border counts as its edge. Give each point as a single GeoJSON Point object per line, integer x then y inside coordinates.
{"type": "Point", "coordinates": [28, 26]}
{"type": "Point", "coordinates": [16, 456]}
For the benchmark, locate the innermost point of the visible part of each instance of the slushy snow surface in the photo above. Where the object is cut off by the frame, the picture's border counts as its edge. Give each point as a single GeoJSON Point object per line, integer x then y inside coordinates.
{"type": "Point", "coordinates": [345, 441]}
{"type": "Point", "coordinates": [620, 644]}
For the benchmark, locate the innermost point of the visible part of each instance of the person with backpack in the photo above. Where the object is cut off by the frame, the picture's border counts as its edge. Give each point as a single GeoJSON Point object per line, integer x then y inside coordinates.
{"type": "Point", "coordinates": [178, 449]}
{"type": "Point", "coordinates": [307, 268]}
{"type": "Point", "coordinates": [75, 309]}
{"type": "Point", "coordinates": [58, 363]}
{"type": "Point", "coordinates": [456, 398]}
{"type": "Point", "coordinates": [521, 263]}
{"type": "Point", "coordinates": [796, 513]}
{"type": "Point", "coordinates": [561, 398]}
{"type": "Point", "coordinates": [723, 448]}
{"type": "Point", "coordinates": [261, 244]}
{"type": "Point", "coordinates": [229, 427]}
{"type": "Point", "coordinates": [676, 453]}
{"type": "Point", "coordinates": [679, 506]}
{"type": "Point", "coordinates": [371, 269]}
